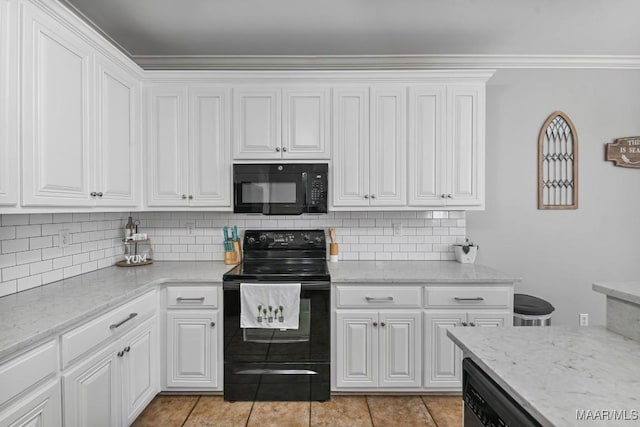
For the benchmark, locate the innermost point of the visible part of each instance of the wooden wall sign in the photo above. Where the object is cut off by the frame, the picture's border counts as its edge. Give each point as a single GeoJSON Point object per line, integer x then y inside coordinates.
{"type": "Point", "coordinates": [625, 152]}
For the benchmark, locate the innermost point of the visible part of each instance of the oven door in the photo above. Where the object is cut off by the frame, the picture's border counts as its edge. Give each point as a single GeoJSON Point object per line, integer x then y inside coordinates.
{"type": "Point", "coordinates": [269, 189]}
{"type": "Point", "coordinates": [273, 364]}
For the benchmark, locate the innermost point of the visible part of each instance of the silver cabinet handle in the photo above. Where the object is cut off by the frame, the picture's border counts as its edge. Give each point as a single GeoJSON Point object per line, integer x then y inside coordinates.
{"type": "Point", "coordinates": [100, 194]}
{"type": "Point", "coordinates": [120, 353]}
{"type": "Point", "coordinates": [117, 325]}
{"type": "Point", "coordinates": [276, 372]}
{"type": "Point", "coordinates": [127, 349]}
{"type": "Point", "coordinates": [469, 299]}
{"type": "Point", "coordinates": [180, 299]}
{"type": "Point", "coordinates": [184, 196]}
{"type": "Point", "coordinates": [93, 194]}
{"type": "Point", "coordinates": [472, 324]}
{"type": "Point", "coordinates": [443, 196]}
{"type": "Point", "coordinates": [464, 323]}
{"type": "Point", "coordinates": [375, 323]}
{"type": "Point", "coordinates": [278, 149]}
{"type": "Point", "coordinates": [284, 149]}
{"type": "Point", "coordinates": [449, 196]}
{"type": "Point", "coordinates": [366, 196]}
{"type": "Point", "coordinates": [373, 196]}
{"type": "Point", "coordinates": [371, 299]}
{"type": "Point", "coordinates": [383, 324]}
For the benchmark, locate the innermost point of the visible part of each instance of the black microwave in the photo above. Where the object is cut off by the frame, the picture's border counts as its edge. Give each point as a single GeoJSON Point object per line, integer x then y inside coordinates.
{"type": "Point", "coordinates": [280, 188]}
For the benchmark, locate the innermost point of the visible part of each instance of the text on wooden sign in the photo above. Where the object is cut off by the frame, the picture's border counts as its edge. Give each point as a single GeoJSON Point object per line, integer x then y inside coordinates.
{"type": "Point", "coordinates": [624, 152]}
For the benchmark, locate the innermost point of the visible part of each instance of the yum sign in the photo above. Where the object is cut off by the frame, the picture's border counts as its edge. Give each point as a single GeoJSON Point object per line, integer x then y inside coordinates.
{"type": "Point", "coordinates": [625, 152]}
{"type": "Point", "coordinates": [135, 259]}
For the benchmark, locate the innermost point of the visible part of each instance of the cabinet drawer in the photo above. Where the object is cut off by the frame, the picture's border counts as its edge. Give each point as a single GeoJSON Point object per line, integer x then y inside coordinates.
{"type": "Point", "coordinates": [378, 297]}
{"type": "Point", "coordinates": [192, 296]}
{"type": "Point", "coordinates": [23, 372]}
{"type": "Point", "coordinates": [80, 340]}
{"type": "Point", "coordinates": [468, 297]}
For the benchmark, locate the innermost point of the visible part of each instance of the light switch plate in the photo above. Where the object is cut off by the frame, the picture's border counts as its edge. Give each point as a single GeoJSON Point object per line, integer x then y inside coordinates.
{"type": "Point", "coordinates": [64, 238]}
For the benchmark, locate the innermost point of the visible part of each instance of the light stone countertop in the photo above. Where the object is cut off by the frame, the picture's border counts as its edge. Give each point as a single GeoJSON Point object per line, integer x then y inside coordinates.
{"type": "Point", "coordinates": [555, 371]}
{"type": "Point", "coordinates": [415, 272]}
{"type": "Point", "coordinates": [31, 316]}
{"type": "Point", "coordinates": [626, 291]}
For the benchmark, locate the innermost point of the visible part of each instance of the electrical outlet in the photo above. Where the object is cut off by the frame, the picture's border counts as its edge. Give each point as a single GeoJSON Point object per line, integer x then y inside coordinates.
{"type": "Point", "coordinates": [584, 319]}
{"type": "Point", "coordinates": [64, 238]}
{"type": "Point", "coordinates": [190, 227]}
{"type": "Point", "coordinates": [397, 229]}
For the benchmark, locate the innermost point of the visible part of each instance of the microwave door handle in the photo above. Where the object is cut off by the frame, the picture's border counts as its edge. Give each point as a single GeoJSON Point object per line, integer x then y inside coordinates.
{"type": "Point", "coordinates": [307, 202]}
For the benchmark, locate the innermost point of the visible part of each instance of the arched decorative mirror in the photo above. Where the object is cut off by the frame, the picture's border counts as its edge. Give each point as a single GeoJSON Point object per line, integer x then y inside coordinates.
{"type": "Point", "coordinates": [558, 163]}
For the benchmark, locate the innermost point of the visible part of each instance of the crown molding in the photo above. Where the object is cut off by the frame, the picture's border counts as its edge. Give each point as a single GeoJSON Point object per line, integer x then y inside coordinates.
{"type": "Point", "coordinates": [382, 62]}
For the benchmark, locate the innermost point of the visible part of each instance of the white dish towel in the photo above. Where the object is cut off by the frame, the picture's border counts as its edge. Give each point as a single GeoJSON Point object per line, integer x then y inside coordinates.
{"type": "Point", "coordinates": [270, 305]}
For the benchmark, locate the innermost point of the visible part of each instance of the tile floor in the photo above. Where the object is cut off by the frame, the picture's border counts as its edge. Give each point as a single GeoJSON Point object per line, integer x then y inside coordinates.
{"type": "Point", "coordinates": [348, 411]}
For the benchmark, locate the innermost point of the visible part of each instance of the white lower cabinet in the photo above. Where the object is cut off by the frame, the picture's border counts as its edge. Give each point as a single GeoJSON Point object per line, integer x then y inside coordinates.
{"type": "Point", "coordinates": [112, 387]}
{"type": "Point", "coordinates": [192, 349]}
{"type": "Point", "coordinates": [378, 349]}
{"type": "Point", "coordinates": [38, 409]}
{"type": "Point", "coordinates": [443, 359]}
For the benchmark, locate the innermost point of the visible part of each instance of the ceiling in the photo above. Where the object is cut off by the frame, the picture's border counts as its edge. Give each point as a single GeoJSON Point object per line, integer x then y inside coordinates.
{"type": "Point", "coordinates": [368, 27]}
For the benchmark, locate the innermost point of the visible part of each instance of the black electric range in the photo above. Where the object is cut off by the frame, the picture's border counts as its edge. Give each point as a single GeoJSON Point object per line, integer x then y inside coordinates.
{"type": "Point", "coordinates": [273, 364]}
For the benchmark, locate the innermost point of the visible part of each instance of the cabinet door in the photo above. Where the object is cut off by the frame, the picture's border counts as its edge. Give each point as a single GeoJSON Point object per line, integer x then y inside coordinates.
{"type": "Point", "coordinates": [209, 147]}
{"type": "Point", "coordinates": [38, 409]}
{"type": "Point", "coordinates": [400, 348]}
{"type": "Point", "coordinates": [117, 144]}
{"type": "Point", "coordinates": [257, 123]}
{"type": "Point", "coordinates": [350, 146]}
{"type": "Point", "coordinates": [443, 361]}
{"type": "Point", "coordinates": [167, 146]}
{"type": "Point", "coordinates": [306, 124]}
{"type": "Point", "coordinates": [192, 338]}
{"type": "Point", "coordinates": [92, 392]}
{"type": "Point", "coordinates": [465, 145]}
{"type": "Point", "coordinates": [140, 370]}
{"type": "Point", "coordinates": [8, 105]}
{"type": "Point", "coordinates": [426, 147]}
{"type": "Point", "coordinates": [490, 318]}
{"type": "Point", "coordinates": [356, 349]}
{"type": "Point", "coordinates": [56, 68]}
{"type": "Point", "coordinates": [388, 146]}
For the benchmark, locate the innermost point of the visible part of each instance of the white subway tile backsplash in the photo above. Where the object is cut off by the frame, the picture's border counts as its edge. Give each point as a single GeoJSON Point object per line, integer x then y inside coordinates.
{"type": "Point", "coordinates": [30, 255]}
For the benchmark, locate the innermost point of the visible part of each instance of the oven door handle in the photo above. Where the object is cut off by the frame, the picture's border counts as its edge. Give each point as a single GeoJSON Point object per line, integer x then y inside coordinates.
{"type": "Point", "coordinates": [276, 372]}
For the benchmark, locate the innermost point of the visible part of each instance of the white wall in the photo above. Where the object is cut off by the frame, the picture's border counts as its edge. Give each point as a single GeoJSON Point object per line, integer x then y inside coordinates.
{"type": "Point", "coordinates": [559, 254]}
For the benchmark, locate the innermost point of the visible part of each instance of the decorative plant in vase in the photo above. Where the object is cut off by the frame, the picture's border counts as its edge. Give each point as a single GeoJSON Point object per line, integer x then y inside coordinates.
{"type": "Point", "coordinates": [270, 318]}
{"type": "Point", "coordinates": [259, 319]}
{"type": "Point", "coordinates": [466, 252]}
{"type": "Point", "coordinates": [281, 318]}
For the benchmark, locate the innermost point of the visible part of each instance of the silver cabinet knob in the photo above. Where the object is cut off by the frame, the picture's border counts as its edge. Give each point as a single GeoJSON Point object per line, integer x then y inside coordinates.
{"type": "Point", "coordinates": [127, 349]}
{"type": "Point", "coordinates": [383, 324]}
{"type": "Point", "coordinates": [213, 324]}
{"type": "Point", "coordinates": [465, 324]}
{"type": "Point", "coordinates": [443, 196]}
{"type": "Point", "coordinates": [93, 194]}
{"type": "Point", "coordinates": [472, 324]}
{"type": "Point", "coordinates": [366, 196]}
{"type": "Point", "coordinates": [100, 194]}
{"type": "Point", "coordinates": [284, 148]}
{"type": "Point", "coordinates": [449, 196]}
{"type": "Point", "coordinates": [184, 196]}
{"type": "Point", "coordinates": [190, 197]}
{"type": "Point", "coordinates": [373, 196]}
{"type": "Point", "coordinates": [375, 323]}
{"type": "Point", "coordinates": [120, 353]}
{"type": "Point", "coordinates": [278, 149]}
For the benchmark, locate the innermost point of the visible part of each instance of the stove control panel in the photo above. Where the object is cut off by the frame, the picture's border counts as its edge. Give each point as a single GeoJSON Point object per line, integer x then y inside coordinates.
{"type": "Point", "coordinates": [283, 239]}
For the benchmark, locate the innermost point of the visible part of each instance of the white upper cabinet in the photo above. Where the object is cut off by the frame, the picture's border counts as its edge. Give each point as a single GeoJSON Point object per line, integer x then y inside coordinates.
{"type": "Point", "coordinates": [188, 160]}
{"type": "Point", "coordinates": [281, 123]}
{"type": "Point", "coordinates": [167, 150]}
{"type": "Point", "coordinates": [306, 123]}
{"type": "Point", "coordinates": [209, 150]}
{"type": "Point", "coordinates": [8, 105]}
{"type": "Point", "coordinates": [117, 151]}
{"type": "Point", "coordinates": [465, 145]}
{"type": "Point", "coordinates": [369, 146]}
{"type": "Point", "coordinates": [427, 151]}
{"type": "Point", "coordinates": [57, 124]}
{"type": "Point", "coordinates": [446, 145]}
{"type": "Point", "coordinates": [388, 146]}
{"type": "Point", "coordinates": [350, 146]}
{"type": "Point", "coordinates": [257, 117]}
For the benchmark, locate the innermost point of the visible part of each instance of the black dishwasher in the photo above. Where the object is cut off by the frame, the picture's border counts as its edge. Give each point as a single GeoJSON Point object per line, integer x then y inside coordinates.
{"type": "Point", "coordinates": [487, 404]}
